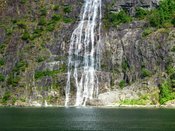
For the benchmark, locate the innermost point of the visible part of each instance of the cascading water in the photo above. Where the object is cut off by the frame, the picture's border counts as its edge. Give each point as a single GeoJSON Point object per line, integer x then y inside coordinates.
{"type": "Point", "coordinates": [84, 54]}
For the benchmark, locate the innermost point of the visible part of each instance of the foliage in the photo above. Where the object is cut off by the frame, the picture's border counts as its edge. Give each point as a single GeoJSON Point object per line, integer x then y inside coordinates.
{"type": "Point", "coordinates": [2, 62]}
{"type": "Point", "coordinates": [21, 24]}
{"type": "Point", "coordinates": [14, 77]}
{"type": "Point", "coordinates": [173, 49]}
{"type": "Point", "coordinates": [166, 92]}
{"type": "Point", "coordinates": [25, 36]}
{"type": "Point", "coordinates": [163, 14]}
{"type": "Point", "coordinates": [143, 100]}
{"type": "Point", "coordinates": [56, 18]}
{"type": "Point", "coordinates": [67, 9]}
{"type": "Point", "coordinates": [13, 80]}
{"type": "Point", "coordinates": [41, 74]}
{"type": "Point", "coordinates": [145, 72]}
{"type": "Point", "coordinates": [122, 84]}
{"type": "Point", "coordinates": [56, 7]}
{"type": "Point", "coordinates": [43, 12]}
{"type": "Point", "coordinates": [125, 65]}
{"type": "Point", "coordinates": [67, 20]}
{"type": "Point", "coordinates": [2, 48]}
{"type": "Point", "coordinates": [2, 77]}
{"type": "Point", "coordinates": [115, 19]}
{"type": "Point", "coordinates": [23, 1]}
{"type": "Point", "coordinates": [6, 97]}
{"type": "Point", "coordinates": [40, 59]}
{"type": "Point", "coordinates": [141, 13]}
{"type": "Point", "coordinates": [147, 31]}
{"type": "Point", "coordinates": [20, 66]}
{"type": "Point", "coordinates": [42, 21]}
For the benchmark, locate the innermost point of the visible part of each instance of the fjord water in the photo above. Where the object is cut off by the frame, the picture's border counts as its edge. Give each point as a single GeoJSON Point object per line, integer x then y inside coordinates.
{"type": "Point", "coordinates": [84, 54]}
{"type": "Point", "coordinates": [86, 119]}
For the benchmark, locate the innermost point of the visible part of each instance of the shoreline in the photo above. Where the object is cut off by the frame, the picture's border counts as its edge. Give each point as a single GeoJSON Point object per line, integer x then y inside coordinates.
{"type": "Point", "coordinates": [104, 107]}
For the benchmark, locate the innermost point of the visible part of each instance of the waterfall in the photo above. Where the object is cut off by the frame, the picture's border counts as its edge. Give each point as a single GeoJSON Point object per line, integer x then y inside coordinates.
{"type": "Point", "coordinates": [84, 54]}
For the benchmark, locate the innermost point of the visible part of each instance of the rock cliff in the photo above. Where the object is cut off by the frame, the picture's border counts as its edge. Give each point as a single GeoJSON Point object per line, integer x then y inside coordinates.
{"type": "Point", "coordinates": [34, 42]}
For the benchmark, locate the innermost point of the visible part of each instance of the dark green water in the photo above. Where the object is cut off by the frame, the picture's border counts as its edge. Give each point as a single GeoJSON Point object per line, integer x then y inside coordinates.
{"type": "Point", "coordinates": [79, 119]}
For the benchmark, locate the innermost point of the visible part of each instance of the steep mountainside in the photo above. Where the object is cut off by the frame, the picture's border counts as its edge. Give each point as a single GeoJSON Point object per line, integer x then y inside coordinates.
{"type": "Point", "coordinates": [138, 61]}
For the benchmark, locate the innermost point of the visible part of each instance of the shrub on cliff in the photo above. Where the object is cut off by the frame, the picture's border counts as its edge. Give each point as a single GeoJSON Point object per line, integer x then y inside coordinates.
{"type": "Point", "coordinates": [163, 14]}
{"type": "Point", "coordinates": [166, 92]}
{"type": "Point", "coordinates": [115, 19]}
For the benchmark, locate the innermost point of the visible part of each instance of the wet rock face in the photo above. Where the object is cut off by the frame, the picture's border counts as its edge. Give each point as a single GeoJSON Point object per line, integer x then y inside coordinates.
{"type": "Point", "coordinates": [133, 53]}
{"type": "Point", "coordinates": [127, 56]}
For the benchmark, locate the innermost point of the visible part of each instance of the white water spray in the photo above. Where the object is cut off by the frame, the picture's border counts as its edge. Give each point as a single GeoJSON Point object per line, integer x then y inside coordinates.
{"type": "Point", "coordinates": [84, 54]}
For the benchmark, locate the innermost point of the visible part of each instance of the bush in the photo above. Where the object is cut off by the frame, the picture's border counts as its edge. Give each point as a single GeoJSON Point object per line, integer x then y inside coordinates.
{"type": "Point", "coordinates": [173, 49]}
{"type": "Point", "coordinates": [41, 74]}
{"type": "Point", "coordinates": [43, 12]}
{"type": "Point", "coordinates": [23, 1]}
{"type": "Point", "coordinates": [67, 9]}
{"type": "Point", "coordinates": [40, 59]}
{"type": "Point", "coordinates": [25, 36]}
{"type": "Point", "coordinates": [163, 14]}
{"type": "Point", "coordinates": [37, 33]}
{"type": "Point", "coordinates": [145, 73]}
{"type": "Point", "coordinates": [56, 18]}
{"type": "Point", "coordinates": [56, 7]}
{"type": "Point", "coordinates": [6, 97]}
{"type": "Point", "coordinates": [13, 80]}
{"type": "Point", "coordinates": [125, 65]}
{"type": "Point", "coordinates": [50, 27]}
{"type": "Point", "coordinates": [2, 77]}
{"type": "Point", "coordinates": [147, 31]}
{"type": "Point", "coordinates": [21, 24]}
{"type": "Point", "coordinates": [42, 21]}
{"type": "Point", "coordinates": [141, 13]}
{"type": "Point", "coordinates": [20, 66]}
{"type": "Point", "coordinates": [67, 20]}
{"type": "Point", "coordinates": [122, 84]}
{"type": "Point", "coordinates": [118, 18]}
{"type": "Point", "coordinates": [166, 92]}
{"type": "Point", "coordinates": [143, 100]}
{"type": "Point", "coordinates": [2, 48]}
{"type": "Point", "coordinates": [2, 62]}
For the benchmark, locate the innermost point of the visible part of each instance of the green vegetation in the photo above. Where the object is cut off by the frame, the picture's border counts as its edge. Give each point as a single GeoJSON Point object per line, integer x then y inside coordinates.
{"type": "Point", "coordinates": [163, 14]}
{"type": "Point", "coordinates": [2, 48]}
{"type": "Point", "coordinates": [43, 12]}
{"type": "Point", "coordinates": [41, 74]}
{"type": "Point", "coordinates": [122, 84]}
{"type": "Point", "coordinates": [14, 77]}
{"type": "Point", "coordinates": [141, 13]}
{"type": "Point", "coordinates": [125, 65]}
{"type": "Point", "coordinates": [2, 62]}
{"type": "Point", "coordinates": [21, 24]}
{"type": "Point", "coordinates": [6, 97]}
{"type": "Point", "coordinates": [173, 49]}
{"type": "Point", "coordinates": [114, 19]}
{"type": "Point", "coordinates": [67, 9]}
{"type": "Point", "coordinates": [166, 92]}
{"type": "Point", "coordinates": [20, 66]}
{"type": "Point", "coordinates": [42, 21]}
{"type": "Point", "coordinates": [23, 1]}
{"type": "Point", "coordinates": [25, 36]}
{"type": "Point", "coordinates": [55, 18]}
{"type": "Point", "coordinates": [143, 100]}
{"type": "Point", "coordinates": [147, 31]}
{"type": "Point", "coordinates": [40, 59]}
{"type": "Point", "coordinates": [2, 77]}
{"type": "Point", "coordinates": [56, 7]}
{"type": "Point", "coordinates": [145, 73]}
{"type": "Point", "coordinates": [161, 17]}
